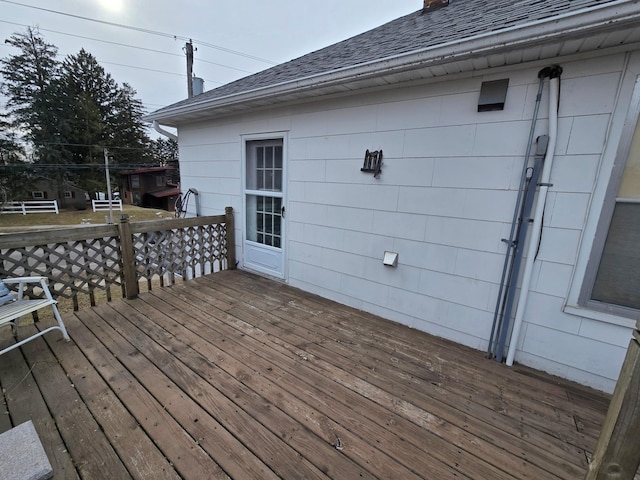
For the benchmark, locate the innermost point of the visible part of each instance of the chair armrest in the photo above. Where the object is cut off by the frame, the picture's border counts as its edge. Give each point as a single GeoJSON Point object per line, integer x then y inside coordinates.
{"type": "Point", "coordinates": [23, 279]}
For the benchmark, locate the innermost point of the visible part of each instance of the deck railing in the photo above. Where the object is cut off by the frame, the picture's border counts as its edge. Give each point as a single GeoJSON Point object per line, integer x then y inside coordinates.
{"type": "Point", "coordinates": [81, 260]}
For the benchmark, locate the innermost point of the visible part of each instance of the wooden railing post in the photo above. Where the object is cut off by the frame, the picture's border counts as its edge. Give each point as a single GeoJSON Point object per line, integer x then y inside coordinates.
{"type": "Point", "coordinates": [128, 259]}
{"type": "Point", "coordinates": [617, 454]}
{"type": "Point", "coordinates": [231, 238]}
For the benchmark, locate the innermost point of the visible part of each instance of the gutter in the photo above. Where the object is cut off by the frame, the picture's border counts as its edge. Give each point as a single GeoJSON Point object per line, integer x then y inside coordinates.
{"type": "Point", "coordinates": [162, 131]}
{"type": "Point", "coordinates": [584, 22]}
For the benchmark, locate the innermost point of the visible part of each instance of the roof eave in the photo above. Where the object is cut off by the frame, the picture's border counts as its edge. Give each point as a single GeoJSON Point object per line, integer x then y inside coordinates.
{"type": "Point", "coordinates": [580, 23]}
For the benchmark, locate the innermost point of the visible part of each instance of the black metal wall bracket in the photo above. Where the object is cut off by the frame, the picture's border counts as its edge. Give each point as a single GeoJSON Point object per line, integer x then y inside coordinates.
{"type": "Point", "coordinates": [372, 163]}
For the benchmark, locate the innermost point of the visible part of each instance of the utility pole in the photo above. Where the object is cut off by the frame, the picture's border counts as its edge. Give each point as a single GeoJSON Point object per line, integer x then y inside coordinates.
{"type": "Point", "coordinates": [106, 167]}
{"type": "Point", "coordinates": [189, 51]}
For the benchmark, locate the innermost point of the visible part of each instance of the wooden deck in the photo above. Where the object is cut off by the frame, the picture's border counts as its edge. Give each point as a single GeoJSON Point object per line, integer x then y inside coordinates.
{"type": "Point", "coordinates": [236, 376]}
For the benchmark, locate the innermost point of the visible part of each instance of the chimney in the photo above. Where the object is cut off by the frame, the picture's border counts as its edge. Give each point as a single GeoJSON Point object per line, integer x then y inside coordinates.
{"type": "Point", "coordinates": [431, 5]}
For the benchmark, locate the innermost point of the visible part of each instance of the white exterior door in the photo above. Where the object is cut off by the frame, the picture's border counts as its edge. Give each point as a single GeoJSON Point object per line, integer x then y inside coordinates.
{"type": "Point", "coordinates": [264, 226]}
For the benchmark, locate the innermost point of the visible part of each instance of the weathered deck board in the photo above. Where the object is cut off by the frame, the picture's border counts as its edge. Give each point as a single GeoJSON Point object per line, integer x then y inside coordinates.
{"type": "Point", "coordinates": [386, 389]}
{"type": "Point", "coordinates": [236, 376]}
{"type": "Point", "coordinates": [251, 365]}
{"type": "Point", "coordinates": [139, 454]}
{"type": "Point", "coordinates": [395, 436]}
{"type": "Point", "coordinates": [23, 401]}
{"type": "Point", "coordinates": [181, 450]}
{"type": "Point", "coordinates": [92, 453]}
{"type": "Point", "coordinates": [455, 406]}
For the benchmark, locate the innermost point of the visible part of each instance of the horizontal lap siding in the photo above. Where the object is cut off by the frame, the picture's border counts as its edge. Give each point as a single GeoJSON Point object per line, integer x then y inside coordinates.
{"type": "Point", "coordinates": [444, 201]}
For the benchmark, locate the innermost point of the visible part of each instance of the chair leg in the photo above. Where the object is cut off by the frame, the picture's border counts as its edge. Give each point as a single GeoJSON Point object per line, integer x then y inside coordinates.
{"type": "Point", "coordinates": [56, 313]}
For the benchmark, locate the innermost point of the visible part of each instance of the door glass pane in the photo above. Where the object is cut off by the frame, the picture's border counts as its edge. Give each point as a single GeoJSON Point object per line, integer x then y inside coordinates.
{"type": "Point", "coordinates": [264, 220]}
{"type": "Point", "coordinates": [268, 157]}
{"type": "Point", "coordinates": [264, 165]}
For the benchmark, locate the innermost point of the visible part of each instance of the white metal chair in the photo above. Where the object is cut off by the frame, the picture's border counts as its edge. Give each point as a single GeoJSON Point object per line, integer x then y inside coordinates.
{"type": "Point", "coordinates": [13, 307]}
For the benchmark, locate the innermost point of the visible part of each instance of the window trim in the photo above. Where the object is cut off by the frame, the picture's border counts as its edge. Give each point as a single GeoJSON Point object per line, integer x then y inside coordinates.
{"type": "Point", "coordinates": [631, 122]}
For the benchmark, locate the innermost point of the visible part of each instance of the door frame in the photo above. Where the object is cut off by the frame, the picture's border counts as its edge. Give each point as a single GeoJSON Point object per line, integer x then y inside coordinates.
{"type": "Point", "coordinates": [245, 138]}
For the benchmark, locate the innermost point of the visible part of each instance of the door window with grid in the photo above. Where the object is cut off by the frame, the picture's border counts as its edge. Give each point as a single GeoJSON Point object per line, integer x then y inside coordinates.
{"type": "Point", "coordinates": [264, 173]}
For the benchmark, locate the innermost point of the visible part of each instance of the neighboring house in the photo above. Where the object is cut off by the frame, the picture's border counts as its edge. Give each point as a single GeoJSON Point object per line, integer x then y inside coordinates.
{"type": "Point", "coordinates": [68, 195]}
{"type": "Point", "coordinates": [151, 188]}
{"type": "Point", "coordinates": [448, 93]}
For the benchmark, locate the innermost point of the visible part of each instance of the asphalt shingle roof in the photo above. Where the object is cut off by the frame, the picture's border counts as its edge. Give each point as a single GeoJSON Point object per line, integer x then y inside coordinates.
{"type": "Point", "coordinates": [460, 19]}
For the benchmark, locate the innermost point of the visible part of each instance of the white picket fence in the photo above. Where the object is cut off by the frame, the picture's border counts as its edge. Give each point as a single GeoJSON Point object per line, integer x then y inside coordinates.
{"type": "Point", "coordinates": [103, 205]}
{"type": "Point", "coordinates": [34, 206]}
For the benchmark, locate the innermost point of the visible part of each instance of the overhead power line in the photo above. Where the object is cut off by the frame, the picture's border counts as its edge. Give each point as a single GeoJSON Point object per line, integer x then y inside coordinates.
{"type": "Point", "coordinates": [126, 45]}
{"type": "Point", "coordinates": [78, 166]}
{"type": "Point", "coordinates": [143, 30]}
{"type": "Point", "coordinates": [156, 71]}
{"type": "Point", "coordinates": [125, 65]}
{"type": "Point", "coordinates": [64, 144]}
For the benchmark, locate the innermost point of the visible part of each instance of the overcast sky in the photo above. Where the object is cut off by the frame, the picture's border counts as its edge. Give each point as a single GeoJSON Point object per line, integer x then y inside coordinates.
{"type": "Point", "coordinates": [272, 30]}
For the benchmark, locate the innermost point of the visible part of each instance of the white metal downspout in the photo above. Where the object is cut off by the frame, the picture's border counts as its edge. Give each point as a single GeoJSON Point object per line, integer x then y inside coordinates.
{"type": "Point", "coordinates": [162, 131]}
{"type": "Point", "coordinates": [554, 87]}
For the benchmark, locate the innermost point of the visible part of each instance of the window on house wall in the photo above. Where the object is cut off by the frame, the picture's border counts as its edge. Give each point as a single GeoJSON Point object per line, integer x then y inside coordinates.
{"type": "Point", "coordinates": [614, 284]}
{"type": "Point", "coordinates": [160, 181]}
{"type": "Point", "coordinates": [38, 195]}
{"type": "Point", "coordinates": [68, 194]}
{"type": "Point", "coordinates": [135, 181]}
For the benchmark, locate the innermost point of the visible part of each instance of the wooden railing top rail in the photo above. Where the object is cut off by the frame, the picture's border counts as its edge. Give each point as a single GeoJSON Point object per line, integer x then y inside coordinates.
{"type": "Point", "coordinates": [63, 234]}
{"type": "Point", "coordinates": [171, 224]}
{"type": "Point", "coordinates": [75, 233]}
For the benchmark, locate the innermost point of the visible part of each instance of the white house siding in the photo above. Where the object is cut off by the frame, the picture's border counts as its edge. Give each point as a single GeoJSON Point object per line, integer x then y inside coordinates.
{"type": "Point", "coordinates": [444, 201]}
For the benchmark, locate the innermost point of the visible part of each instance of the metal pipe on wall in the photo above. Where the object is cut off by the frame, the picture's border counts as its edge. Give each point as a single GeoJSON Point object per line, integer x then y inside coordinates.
{"type": "Point", "coordinates": [536, 230]}
{"type": "Point", "coordinates": [508, 261]}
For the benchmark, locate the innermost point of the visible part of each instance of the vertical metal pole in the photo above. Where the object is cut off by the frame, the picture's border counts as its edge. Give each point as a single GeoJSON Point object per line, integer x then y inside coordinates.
{"type": "Point", "coordinates": [106, 167]}
{"type": "Point", "coordinates": [521, 236]}
{"type": "Point", "coordinates": [501, 300]}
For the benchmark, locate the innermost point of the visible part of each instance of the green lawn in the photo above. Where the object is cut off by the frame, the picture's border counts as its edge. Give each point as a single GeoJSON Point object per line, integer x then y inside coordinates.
{"type": "Point", "coordinates": [16, 222]}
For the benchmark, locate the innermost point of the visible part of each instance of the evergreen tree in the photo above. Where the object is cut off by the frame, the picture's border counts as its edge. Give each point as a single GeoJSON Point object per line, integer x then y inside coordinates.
{"type": "Point", "coordinates": [165, 152]}
{"type": "Point", "coordinates": [99, 114]}
{"type": "Point", "coordinates": [126, 129]}
{"type": "Point", "coordinates": [26, 80]}
{"type": "Point", "coordinates": [86, 92]}
{"type": "Point", "coordinates": [71, 111]}
{"type": "Point", "coordinates": [14, 171]}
